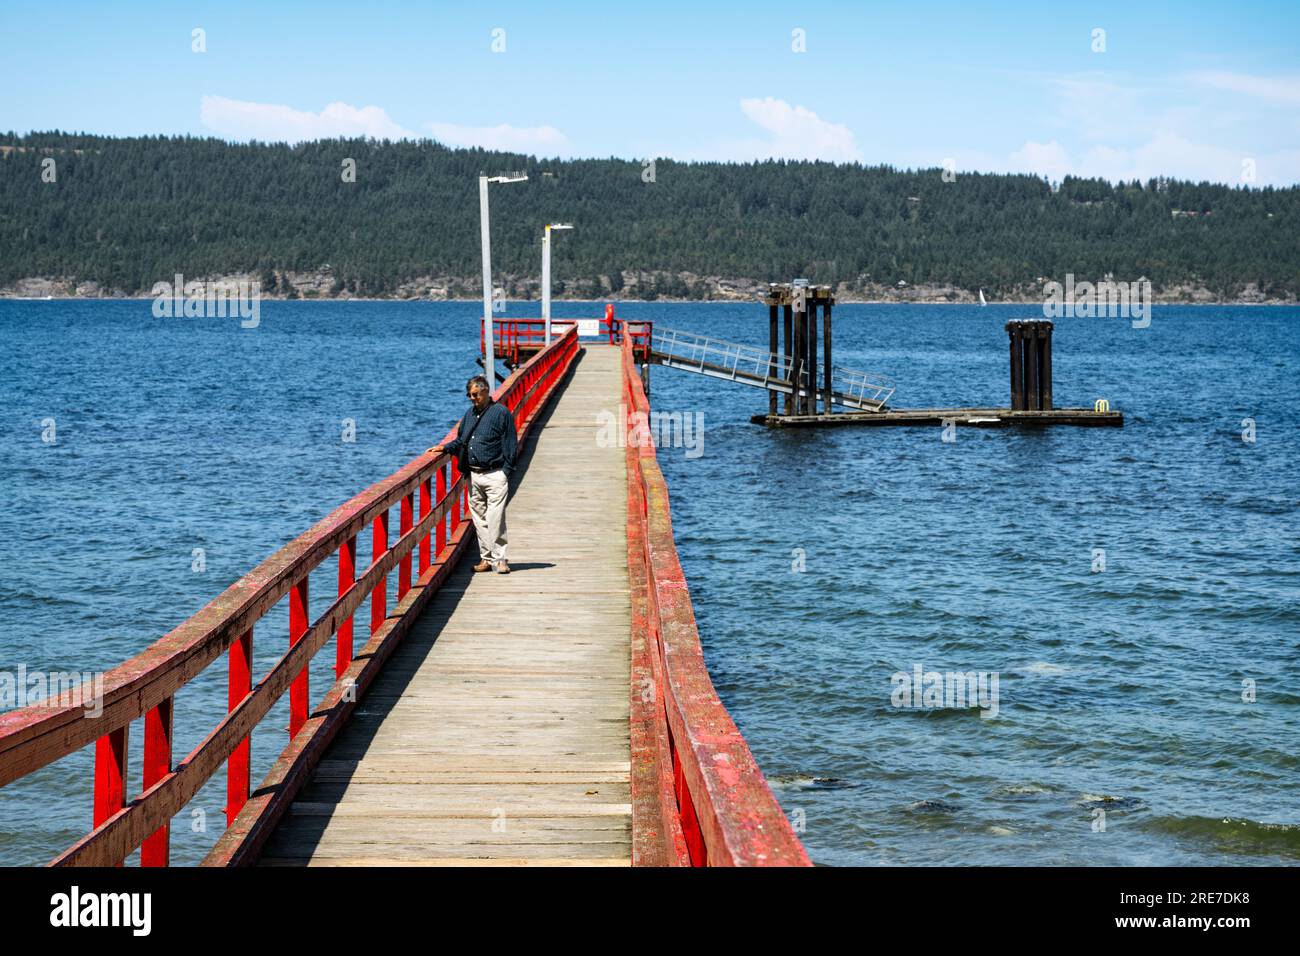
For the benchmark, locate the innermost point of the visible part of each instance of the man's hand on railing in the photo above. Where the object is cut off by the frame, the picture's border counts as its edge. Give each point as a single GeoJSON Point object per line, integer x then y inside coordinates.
{"type": "Point", "coordinates": [436, 449]}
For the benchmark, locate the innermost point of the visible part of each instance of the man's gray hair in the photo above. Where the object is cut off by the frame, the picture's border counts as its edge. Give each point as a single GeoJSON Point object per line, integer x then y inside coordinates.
{"type": "Point", "coordinates": [478, 380]}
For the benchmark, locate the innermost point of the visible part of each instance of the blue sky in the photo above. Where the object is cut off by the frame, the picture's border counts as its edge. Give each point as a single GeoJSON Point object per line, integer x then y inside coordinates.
{"type": "Point", "coordinates": [1194, 90]}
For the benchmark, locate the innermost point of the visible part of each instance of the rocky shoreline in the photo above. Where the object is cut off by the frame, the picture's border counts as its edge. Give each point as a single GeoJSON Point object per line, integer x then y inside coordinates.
{"type": "Point", "coordinates": [322, 284]}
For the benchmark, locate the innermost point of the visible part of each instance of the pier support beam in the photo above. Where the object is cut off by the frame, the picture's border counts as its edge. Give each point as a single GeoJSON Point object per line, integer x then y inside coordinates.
{"type": "Point", "coordinates": [810, 401]}
{"type": "Point", "coordinates": [1045, 365]}
{"type": "Point", "coordinates": [1031, 364]}
{"type": "Point", "coordinates": [827, 406]}
{"type": "Point", "coordinates": [799, 357]}
{"type": "Point", "coordinates": [794, 353]}
{"type": "Point", "coordinates": [1031, 367]}
{"type": "Point", "coordinates": [773, 345]}
{"type": "Point", "coordinates": [789, 353]}
{"type": "Point", "coordinates": [1017, 368]}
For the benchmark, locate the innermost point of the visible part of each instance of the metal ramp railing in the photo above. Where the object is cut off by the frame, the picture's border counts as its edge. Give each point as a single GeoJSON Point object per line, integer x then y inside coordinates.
{"type": "Point", "coordinates": [750, 365]}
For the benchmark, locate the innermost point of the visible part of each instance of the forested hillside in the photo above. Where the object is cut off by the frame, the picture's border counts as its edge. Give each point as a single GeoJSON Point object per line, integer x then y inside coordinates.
{"type": "Point", "coordinates": [128, 212]}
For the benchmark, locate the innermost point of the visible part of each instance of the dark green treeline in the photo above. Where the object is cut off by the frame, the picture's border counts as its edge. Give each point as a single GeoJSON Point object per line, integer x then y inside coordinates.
{"type": "Point", "coordinates": [129, 211]}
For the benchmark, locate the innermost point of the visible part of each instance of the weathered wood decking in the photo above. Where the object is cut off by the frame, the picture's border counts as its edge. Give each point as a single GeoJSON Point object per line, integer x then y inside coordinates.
{"type": "Point", "coordinates": [498, 731]}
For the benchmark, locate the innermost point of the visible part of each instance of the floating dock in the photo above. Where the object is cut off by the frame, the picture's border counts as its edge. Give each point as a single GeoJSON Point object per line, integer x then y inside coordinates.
{"type": "Point", "coordinates": [794, 366]}
{"type": "Point", "coordinates": [976, 417]}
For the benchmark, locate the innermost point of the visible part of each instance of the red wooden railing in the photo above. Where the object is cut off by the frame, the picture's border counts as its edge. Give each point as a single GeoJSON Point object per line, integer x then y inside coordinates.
{"type": "Point", "coordinates": [639, 334]}
{"type": "Point", "coordinates": [146, 686]}
{"type": "Point", "coordinates": [618, 329]}
{"type": "Point", "coordinates": [698, 796]}
{"type": "Point", "coordinates": [511, 337]}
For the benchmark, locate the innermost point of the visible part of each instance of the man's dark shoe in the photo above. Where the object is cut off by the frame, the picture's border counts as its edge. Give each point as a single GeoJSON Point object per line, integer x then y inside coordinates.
{"type": "Point", "coordinates": [503, 568]}
{"type": "Point", "coordinates": [483, 566]}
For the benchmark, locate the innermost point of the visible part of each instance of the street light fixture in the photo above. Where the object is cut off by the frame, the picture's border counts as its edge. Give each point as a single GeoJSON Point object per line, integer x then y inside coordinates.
{"type": "Point", "coordinates": [489, 357]}
{"type": "Point", "coordinates": [546, 273]}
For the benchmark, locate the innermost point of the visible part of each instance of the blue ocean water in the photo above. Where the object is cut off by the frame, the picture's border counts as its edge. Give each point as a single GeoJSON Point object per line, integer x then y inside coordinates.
{"type": "Point", "coordinates": [1125, 732]}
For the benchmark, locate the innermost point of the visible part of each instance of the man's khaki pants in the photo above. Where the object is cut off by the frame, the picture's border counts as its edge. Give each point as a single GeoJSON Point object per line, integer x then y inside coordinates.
{"type": "Point", "coordinates": [487, 505]}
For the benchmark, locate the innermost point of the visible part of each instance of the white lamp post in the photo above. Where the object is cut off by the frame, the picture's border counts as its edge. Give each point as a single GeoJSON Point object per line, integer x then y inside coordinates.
{"type": "Point", "coordinates": [489, 357]}
{"type": "Point", "coordinates": [546, 273]}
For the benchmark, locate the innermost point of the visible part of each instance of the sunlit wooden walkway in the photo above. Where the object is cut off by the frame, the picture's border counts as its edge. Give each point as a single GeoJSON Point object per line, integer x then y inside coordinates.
{"type": "Point", "coordinates": [498, 731]}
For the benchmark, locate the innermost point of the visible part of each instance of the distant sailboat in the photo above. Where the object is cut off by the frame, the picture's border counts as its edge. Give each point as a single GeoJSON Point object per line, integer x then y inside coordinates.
{"type": "Point", "coordinates": [982, 302]}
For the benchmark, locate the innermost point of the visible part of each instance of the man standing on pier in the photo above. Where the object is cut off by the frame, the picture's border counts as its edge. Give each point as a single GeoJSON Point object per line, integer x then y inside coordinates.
{"type": "Point", "coordinates": [485, 447]}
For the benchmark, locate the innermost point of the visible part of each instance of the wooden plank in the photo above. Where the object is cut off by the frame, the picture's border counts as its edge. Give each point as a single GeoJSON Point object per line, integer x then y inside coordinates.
{"type": "Point", "coordinates": [450, 861]}
{"type": "Point", "coordinates": [507, 704]}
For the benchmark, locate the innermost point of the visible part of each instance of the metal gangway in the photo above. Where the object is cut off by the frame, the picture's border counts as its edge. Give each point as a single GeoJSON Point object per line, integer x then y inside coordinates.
{"type": "Point", "coordinates": [750, 365]}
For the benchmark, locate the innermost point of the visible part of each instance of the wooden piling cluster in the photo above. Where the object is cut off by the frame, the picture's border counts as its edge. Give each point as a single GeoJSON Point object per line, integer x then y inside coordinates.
{"type": "Point", "coordinates": [799, 302]}
{"type": "Point", "coordinates": [1030, 368]}
{"type": "Point", "coordinates": [1031, 364]}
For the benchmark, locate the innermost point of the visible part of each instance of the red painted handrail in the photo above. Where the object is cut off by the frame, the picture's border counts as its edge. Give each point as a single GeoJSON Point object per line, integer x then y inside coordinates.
{"type": "Point", "coordinates": [509, 335]}
{"type": "Point", "coordinates": [640, 332]}
{"type": "Point", "coordinates": [146, 685]}
{"type": "Point", "coordinates": [698, 796]}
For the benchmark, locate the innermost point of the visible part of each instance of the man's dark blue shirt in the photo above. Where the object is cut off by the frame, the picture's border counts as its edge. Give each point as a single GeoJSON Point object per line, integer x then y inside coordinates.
{"type": "Point", "coordinates": [493, 444]}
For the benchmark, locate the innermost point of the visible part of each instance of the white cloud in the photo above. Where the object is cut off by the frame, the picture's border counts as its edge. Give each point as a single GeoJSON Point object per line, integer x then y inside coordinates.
{"type": "Point", "coordinates": [538, 140]}
{"type": "Point", "coordinates": [1284, 90]}
{"type": "Point", "coordinates": [793, 132]}
{"type": "Point", "coordinates": [1096, 107]}
{"type": "Point", "coordinates": [1164, 154]}
{"type": "Point", "coordinates": [1109, 126]}
{"type": "Point", "coordinates": [796, 132]}
{"type": "Point", "coordinates": [1042, 159]}
{"type": "Point", "coordinates": [238, 119]}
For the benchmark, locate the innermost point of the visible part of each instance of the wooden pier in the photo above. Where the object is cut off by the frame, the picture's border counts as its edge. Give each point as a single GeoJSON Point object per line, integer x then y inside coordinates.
{"type": "Point", "coordinates": [559, 715]}
{"type": "Point", "coordinates": [498, 732]}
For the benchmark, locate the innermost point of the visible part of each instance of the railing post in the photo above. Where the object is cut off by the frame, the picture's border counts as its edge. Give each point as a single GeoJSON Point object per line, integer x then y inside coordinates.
{"type": "Point", "coordinates": [298, 690]}
{"type": "Point", "coordinates": [462, 500]}
{"type": "Point", "coordinates": [426, 505]}
{"type": "Point", "coordinates": [110, 774]}
{"type": "Point", "coordinates": [405, 523]}
{"type": "Point", "coordinates": [440, 541]}
{"type": "Point", "coordinates": [157, 764]}
{"type": "Point", "coordinates": [455, 491]}
{"type": "Point", "coordinates": [239, 685]}
{"type": "Point", "coordinates": [379, 596]}
{"type": "Point", "coordinates": [347, 577]}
